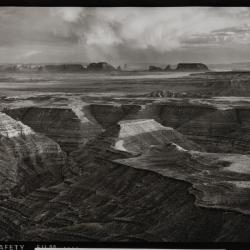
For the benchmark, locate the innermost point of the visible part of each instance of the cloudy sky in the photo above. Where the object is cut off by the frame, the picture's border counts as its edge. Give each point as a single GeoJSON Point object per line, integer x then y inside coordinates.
{"type": "Point", "coordinates": [124, 35]}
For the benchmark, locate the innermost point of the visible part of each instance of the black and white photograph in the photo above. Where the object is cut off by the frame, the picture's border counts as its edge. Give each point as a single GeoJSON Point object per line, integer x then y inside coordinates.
{"type": "Point", "coordinates": [124, 124]}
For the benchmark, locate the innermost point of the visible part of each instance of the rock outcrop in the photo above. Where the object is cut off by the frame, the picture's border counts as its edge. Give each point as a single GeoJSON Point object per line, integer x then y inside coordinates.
{"type": "Point", "coordinates": [129, 138]}
{"type": "Point", "coordinates": [218, 180]}
{"type": "Point", "coordinates": [69, 127]}
{"type": "Point", "coordinates": [136, 136]}
{"type": "Point", "coordinates": [27, 160]}
{"type": "Point", "coordinates": [109, 114]}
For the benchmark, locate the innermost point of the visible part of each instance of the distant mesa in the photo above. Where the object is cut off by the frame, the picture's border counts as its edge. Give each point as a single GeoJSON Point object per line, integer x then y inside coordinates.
{"type": "Point", "coordinates": [100, 66]}
{"type": "Point", "coordinates": [93, 67]}
{"type": "Point", "coordinates": [191, 67]}
{"type": "Point", "coordinates": [57, 68]}
{"type": "Point", "coordinates": [181, 67]}
{"type": "Point", "coordinates": [64, 68]}
{"type": "Point", "coordinates": [40, 68]}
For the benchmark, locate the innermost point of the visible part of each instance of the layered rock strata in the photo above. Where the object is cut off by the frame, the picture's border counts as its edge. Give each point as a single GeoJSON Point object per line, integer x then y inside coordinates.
{"type": "Point", "coordinates": [69, 127]}
{"type": "Point", "coordinates": [28, 160]}
{"type": "Point", "coordinates": [145, 205]}
{"type": "Point", "coordinates": [224, 129]}
{"type": "Point", "coordinates": [156, 182]}
{"type": "Point", "coordinates": [136, 136]}
{"type": "Point", "coordinates": [218, 180]}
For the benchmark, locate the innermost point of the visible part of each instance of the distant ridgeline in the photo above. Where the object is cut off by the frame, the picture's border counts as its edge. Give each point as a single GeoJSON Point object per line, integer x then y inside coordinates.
{"type": "Point", "coordinates": [48, 68]}
{"type": "Point", "coordinates": [181, 67]}
{"type": "Point", "coordinates": [92, 67]}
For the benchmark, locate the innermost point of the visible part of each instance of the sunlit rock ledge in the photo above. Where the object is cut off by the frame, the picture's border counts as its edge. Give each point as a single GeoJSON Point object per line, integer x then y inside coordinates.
{"type": "Point", "coordinates": [218, 180]}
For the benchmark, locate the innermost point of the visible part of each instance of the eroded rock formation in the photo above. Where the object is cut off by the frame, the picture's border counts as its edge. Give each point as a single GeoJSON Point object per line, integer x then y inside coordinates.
{"type": "Point", "coordinates": [28, 160]}
{"type": "Point", "coordinates": [218, 180]}
{"type": "Point", "coordinates": [136, 136]}
{"type": "Point", "coordinates": [220, 129]}
{"type": "Point", "coordinates": [132, 171]}
{"type": "Point", "coordinates": [223, 129]}
{"type": "Point", "coordinates": [69, 127]}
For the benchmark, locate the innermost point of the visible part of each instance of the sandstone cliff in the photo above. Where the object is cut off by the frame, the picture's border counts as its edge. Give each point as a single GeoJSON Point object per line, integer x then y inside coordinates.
{"type": "Point", "coordinates": [136, 136]}
{"type": "Point", "coordinates": [69, 127]}
{"type": "Point", "coordinates": [28, 160]}
{"type": "Point", "coordinates": [214, 128]}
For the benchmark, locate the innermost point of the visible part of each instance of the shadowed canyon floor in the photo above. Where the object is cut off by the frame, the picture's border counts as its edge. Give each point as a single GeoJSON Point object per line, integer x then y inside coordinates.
{"type": "Point", "coordinates": [148, 166]}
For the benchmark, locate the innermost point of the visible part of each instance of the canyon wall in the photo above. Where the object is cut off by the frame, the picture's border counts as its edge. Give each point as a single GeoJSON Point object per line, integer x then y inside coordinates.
{"type": "Point", "coordinates": [219, 180]}
{"type": "Point", "coordinates": [214, 128]}
{"type": "Point", "coordinates": [67, 126]}
{"type": "Point", "coordinates": [28, 160]}
{"type": "Point", "coordinates": [225, 130]}
{"type": "Point", "coordinates": [156, 182]}
{"type": "Point", "coordinates": [144, 207]}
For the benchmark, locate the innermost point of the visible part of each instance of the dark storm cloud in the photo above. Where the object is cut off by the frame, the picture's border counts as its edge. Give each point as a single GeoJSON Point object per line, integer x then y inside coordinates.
{"type": "Point", "coordinates": [122, 34]}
